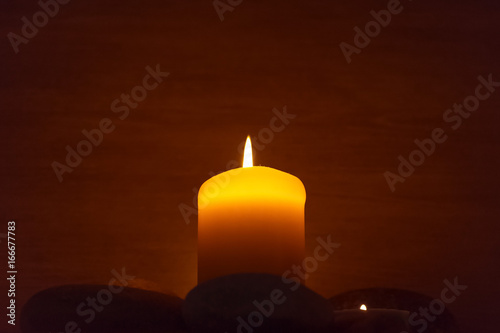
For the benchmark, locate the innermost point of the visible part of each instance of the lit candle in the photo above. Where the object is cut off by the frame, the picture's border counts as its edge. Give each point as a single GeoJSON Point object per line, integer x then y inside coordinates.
{"type": "Point", "coordinates": [250, 220]}
{"type": "Point", "coordinates": [372, 320]}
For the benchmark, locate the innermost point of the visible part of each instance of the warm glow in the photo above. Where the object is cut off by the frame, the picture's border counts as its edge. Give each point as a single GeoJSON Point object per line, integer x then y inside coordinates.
{"type": "Point", "coordinates": [362, 307]}
{"type": "Point", "coordinates": [250, 220]}
{"type": "Point", "coordinates": [247, 156]}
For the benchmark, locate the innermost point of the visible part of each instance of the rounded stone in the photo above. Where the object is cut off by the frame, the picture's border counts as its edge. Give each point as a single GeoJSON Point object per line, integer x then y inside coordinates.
{"type": "Point", "coordinates": [126, 310]}
{"type": "Point", "coordinates": [261, 303]}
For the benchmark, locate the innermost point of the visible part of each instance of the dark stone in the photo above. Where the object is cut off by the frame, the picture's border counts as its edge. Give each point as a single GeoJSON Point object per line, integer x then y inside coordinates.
{"type": "Point", "coordinates": [390, 298]}
{"type": "Point", "coordinates": [130, 310]}
{"type": "Point", "coordinates": [223, 304]}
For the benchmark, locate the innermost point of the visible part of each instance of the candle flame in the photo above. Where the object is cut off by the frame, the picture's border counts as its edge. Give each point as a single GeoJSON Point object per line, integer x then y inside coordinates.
{"type": "Point", "coordinates": [247, 156]}
{"type": "Point", "coordinates": [362, 307]}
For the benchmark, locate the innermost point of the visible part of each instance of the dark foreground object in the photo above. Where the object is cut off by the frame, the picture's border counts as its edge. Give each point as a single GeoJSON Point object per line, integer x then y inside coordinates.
{"type": "Point", "coordinates": [128, 310]}
{"type": "Point", "coordinates": [259, 303]}
{"type": "Point", "coordinates": [240, 303]}
{"type": "Point", "coordinates": [390, 298]}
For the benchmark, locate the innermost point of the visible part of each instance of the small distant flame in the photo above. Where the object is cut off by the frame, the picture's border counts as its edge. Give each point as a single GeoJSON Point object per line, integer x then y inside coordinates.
{"type": "Point", "coordinates": [362, 307]}
{"type": "Point", "coordinates": [247, 156]}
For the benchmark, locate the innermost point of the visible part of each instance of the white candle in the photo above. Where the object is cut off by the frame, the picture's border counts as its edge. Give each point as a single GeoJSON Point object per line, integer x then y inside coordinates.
{"type": "Point", "coordinates": [250, 220]}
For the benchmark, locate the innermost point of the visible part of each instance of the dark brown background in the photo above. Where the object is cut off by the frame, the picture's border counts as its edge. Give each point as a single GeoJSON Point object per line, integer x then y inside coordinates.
{"type": "Point", "coordinates": [119, 208]}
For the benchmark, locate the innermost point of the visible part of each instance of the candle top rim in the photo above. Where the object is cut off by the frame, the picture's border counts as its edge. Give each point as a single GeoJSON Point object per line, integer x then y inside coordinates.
{"type": "Point", "coordinates": [257, 180]}
{"type": "Point", "coordinates": [236, 171]}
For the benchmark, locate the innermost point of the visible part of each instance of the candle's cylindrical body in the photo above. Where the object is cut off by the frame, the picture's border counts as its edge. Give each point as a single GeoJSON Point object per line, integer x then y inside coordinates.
{"type": "Point", "coordinates": [250, 220]}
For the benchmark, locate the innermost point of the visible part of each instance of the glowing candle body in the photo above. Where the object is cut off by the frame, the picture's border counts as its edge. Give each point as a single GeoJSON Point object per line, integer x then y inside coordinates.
{"type": "Point", "coordinates": [250, 220]}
